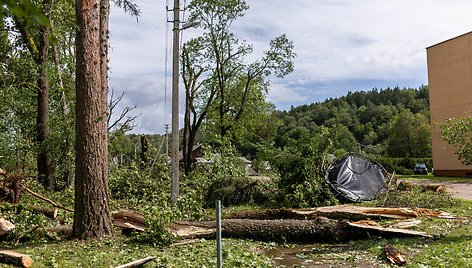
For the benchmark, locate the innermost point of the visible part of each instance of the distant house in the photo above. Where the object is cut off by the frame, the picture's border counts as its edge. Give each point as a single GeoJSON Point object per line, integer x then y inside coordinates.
{"type": "Point", "coordinates": [450, 96]}
{"type": "Point", "coordinates": [241, 163]}
{"type": "Point", "coordinates": [197, 152]}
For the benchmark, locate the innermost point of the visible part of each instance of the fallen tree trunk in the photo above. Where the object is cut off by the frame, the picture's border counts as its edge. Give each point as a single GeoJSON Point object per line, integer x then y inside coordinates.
{"type": "Point", "coordinates": [14, 258]}
{"type": "Point", "coordinates": [47, 211]}
{"type": "Point", "coordinates": [318, 229]}
{"type": "Point", "coordinates": [346, 212]}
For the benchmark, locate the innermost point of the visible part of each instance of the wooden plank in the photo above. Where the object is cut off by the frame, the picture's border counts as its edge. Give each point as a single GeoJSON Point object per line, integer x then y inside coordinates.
{"type": "Point", "coordinates": [137, 263]}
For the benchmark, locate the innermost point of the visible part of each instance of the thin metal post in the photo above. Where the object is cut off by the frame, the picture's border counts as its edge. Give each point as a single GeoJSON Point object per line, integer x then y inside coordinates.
{"type": "Point", "coordinates": [175, 105]}
{"type": "Point", "coordinates": [218, 234]}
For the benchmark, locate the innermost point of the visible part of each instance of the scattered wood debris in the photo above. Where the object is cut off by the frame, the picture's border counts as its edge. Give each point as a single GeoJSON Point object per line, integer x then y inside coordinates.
{"type": "Point", "coordinates": [14, 258]}
{"type": "Point", "coordinates": [405, 224]}
{"type": "Point", "coordinates": [407, 186]}
{"type": "Point", "coordinates": [137, 263]}
{"type": "Point", "coordinates": [394, 255]}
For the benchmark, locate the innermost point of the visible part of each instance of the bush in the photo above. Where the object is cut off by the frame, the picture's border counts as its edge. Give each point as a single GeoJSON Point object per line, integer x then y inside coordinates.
{"type": "Point", "coordinates": [300, 168]}
{"type": "Point", "coordinates": [313, 192]}
{"type": "Point", "coordinates": [416, 197]}
{"type": "Point", "coordinates": [404, 166]}
{"type": "Point", "coordinates": [234, 191]}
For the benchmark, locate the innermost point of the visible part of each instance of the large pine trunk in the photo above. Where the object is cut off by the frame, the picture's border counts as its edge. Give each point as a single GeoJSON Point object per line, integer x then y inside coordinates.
{"type": "Point", "coordinates": [92, 212]}
{"type": "Point", "coordinates": [319, 229]}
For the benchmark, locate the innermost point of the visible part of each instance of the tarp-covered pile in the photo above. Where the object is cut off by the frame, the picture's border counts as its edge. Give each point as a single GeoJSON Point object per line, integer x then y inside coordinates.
{"type": "Point", "coordinates": [356, 177]}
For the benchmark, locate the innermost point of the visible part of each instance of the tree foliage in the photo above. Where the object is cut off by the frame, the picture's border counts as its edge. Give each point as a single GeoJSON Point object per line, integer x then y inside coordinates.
{"type": "Point", "coordinates": [222, 86]}
{"type": "Point", "coordinates": [409, 136]}
{"type": "Point", "coordinates": [362, 117]}
{"type": "Point", "coordinates": [458, 132]}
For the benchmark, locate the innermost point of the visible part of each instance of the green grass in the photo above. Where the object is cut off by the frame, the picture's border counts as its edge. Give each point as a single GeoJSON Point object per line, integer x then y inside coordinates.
{"type": "Point", "coordinates": [114, 251]}
{"type": "Point", "coordinates": [431, 177]}
{"type": "Point", "coordinates": [450, 247]}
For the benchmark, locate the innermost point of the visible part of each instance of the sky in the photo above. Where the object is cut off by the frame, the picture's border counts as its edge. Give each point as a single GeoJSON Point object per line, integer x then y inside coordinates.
{"type": "Point", "coordinates": [341, 46]}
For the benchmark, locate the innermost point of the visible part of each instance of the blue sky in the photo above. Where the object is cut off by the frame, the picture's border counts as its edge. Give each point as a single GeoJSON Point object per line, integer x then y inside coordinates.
{"type": "Point", "coordinates": [341, 46]}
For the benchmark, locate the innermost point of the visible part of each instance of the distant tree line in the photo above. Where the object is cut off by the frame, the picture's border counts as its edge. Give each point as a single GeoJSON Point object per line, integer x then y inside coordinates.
{"type": "Point", "coordinates": [393, 121]}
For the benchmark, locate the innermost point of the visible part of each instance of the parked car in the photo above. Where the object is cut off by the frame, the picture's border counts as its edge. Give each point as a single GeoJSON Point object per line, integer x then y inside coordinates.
{"type": "Point", "coordinates": [420, 169]}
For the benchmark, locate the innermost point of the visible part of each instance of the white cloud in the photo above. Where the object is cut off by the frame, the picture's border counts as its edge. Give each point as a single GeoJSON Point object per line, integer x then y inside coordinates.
{"type": "Point", "coordinates": [282, 93]}
{"type": "Point", "coordinates": [344, 40]}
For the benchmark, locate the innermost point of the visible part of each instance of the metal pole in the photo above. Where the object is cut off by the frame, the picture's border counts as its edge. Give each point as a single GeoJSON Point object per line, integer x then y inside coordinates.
{"type": "Point", "coordinates": [218, 234]}
{"type": "Point", "coordinates": [175, 105]}
{"type": "Point", "coordinates": [167, 145]}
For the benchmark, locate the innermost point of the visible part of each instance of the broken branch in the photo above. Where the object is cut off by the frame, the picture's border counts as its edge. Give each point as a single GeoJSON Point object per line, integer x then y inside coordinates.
{"type": "Point", "coordinates": [47, 200]}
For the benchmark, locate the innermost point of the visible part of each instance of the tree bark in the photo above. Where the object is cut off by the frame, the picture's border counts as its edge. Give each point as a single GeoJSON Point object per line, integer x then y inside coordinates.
{"type": "Point", "coordinates": [315, 230]}
{"type": "Point", "coordinates": [92, 213]}
{"type": "Point", "coordinates": [42, 121]}
{"type": "Point", "coordinates": [40, 57]}
{"type": "Point", "coordinates": [345, 212]}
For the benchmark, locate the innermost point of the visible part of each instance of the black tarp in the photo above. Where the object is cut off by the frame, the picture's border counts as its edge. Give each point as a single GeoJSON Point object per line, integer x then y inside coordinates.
{"type": "Point", "coordinates": [356, 178]}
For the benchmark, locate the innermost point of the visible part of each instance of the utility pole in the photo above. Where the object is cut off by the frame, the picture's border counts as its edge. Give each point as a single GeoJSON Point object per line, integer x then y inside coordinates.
{"type": "Point", "coordinates": [175, 104]}
{"type": "Point", "coordinates": [167, 144]}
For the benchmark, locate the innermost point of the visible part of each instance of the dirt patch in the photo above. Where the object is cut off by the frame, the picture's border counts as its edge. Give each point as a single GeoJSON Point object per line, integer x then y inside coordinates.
{"type": "Point", "coordinates": [461, 190]}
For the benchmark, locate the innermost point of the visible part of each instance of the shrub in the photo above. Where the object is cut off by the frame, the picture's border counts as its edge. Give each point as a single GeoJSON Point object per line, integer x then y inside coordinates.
{"type": "Point", "coordinates": [234, 190]}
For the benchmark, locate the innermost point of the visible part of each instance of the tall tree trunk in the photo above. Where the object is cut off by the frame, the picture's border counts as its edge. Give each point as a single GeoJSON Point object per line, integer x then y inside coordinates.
{"type": "Point", "coordinates": [92, 212]}
{"type": "Point", "coordinates": [40, 56]}
{"type": "Point", "coordinates": [42, 120]}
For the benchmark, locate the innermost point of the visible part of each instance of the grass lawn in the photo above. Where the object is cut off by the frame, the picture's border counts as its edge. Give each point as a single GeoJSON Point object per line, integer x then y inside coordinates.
{"type": "Point", "coordinates": [450, 247]}
{"type": "Point", "coordinates": [431, 177]}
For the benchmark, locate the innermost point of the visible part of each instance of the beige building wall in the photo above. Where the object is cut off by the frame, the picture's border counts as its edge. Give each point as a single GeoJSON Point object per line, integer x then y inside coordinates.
{"type": "Point", "coordinates": [450, 95]}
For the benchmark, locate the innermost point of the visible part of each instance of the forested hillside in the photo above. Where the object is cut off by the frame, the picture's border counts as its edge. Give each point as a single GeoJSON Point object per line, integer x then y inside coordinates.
{"type": "Point", "coordinates": [393, 121]}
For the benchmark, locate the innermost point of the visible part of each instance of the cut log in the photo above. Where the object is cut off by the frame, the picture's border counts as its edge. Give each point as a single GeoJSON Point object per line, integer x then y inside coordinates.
{"type": "Point", "coordinates": [14, 258]}
{"type": "Point", "coordinates": [123, 223]}
{"type": "Point", "coordinates": [346, 212]}
{"type": "Point", "coordinates": [47, 211]}
{"type": "Point", "coordinates": [65, 229]}
{"type": "Point", "coordinates": [2, 172]}
{"type": "Point", "coordinates": [5, 226]}
{"type": "Point", "coordinates": [318, 229]}
{"type": "Point", "coordinates": [129, 219]}
{"type": "Point", "coordinates": [137, 263]}
{"type": "Point", "coordinates": [129, 214]}
{"type": "Point", "coordinates": [394, 255]}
